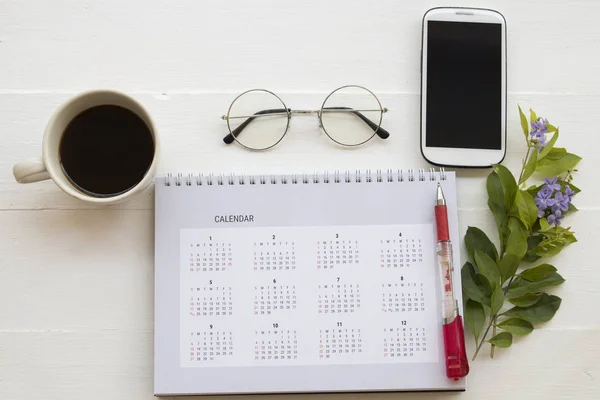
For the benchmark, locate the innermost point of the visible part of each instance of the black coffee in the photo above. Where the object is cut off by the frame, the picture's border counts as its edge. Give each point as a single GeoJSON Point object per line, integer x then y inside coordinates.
{"type": "Point", "coordinates": [106, 150]}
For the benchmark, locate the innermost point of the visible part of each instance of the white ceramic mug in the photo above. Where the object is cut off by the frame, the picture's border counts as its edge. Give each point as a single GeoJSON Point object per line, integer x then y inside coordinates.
{"type": "Point", "coordinates": [48, 166]}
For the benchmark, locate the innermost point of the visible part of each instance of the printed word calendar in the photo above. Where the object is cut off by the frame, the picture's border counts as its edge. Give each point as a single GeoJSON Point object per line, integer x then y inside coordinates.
{"type": "Point", "coordinates": [306, 287]}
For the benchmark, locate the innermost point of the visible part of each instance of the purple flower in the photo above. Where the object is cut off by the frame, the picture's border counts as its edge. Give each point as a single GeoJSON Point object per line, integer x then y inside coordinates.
{"type": "Point", "coordinates": [561, 202]}
{"type": "Point", "coordinates": [539, 128]}
{"type": "Point", "coordinates": [542, 143]}
{"type": "Point", "coordinates": [545, 192]}
{"type": "Point", "coordinates": [551, 184]}
{"type": "Point", "coordinates": [554, 219]}
{"type": "Point", "coordinates": [569, 192]}
{"type": "Point", "coordinates": [551, 202]}
{"type": "Point", "coordinates": [538, 132]}
{"type": "Point", "coordinates": [541, 201]}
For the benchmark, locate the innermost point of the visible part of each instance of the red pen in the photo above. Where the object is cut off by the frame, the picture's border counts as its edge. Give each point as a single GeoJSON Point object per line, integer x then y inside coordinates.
{"type": "Point", "coordinates": [457, 365]}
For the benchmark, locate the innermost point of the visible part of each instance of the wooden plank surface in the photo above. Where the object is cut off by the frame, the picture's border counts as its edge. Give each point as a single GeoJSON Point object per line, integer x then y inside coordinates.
{"type": "Point", "coordinates": [76, 280]}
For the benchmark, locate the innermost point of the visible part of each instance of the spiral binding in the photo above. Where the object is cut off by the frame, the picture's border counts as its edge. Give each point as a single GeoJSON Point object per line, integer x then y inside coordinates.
{"type": "Point", "coordinates": [367, 176]}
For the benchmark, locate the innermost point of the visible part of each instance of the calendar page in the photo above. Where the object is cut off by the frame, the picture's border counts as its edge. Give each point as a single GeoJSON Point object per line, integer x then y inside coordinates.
{"type": "Point", "coordinates": [323, 295]}
{"type": "Point", "coordinates": [300, 283]}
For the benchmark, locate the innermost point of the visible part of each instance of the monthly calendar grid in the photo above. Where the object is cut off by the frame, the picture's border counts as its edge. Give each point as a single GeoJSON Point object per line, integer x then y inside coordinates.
{"type": "Point", "coordinates": [271, 298]}
{"type": "Point", "coordinates": [337, 342]}
{"type": "Point", "coordinates": [211, 301]}
{"type": "Point", "coordinates": [274, 255]}
{"type": "Point", "coordinates": [404, 341]}
{"type": "Point", "coordinates": [401, 252]}
{"type": "Point", "coordinates": [210, 256]}
{"type": "Point", "coordinates": [272, 345]}
{"type": "Point", "coordinates": [210, 346]}
{"type": "Point", "coordinates": [403, 297]}
{"type": "Point", "coordinates": [338, 298]}
{"type": "Point", "coordinates": [337, 253]}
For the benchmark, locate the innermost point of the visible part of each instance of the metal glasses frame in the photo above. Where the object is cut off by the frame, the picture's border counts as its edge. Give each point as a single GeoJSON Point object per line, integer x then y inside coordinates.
{"type": "Point", "coordinates": [234, 133]}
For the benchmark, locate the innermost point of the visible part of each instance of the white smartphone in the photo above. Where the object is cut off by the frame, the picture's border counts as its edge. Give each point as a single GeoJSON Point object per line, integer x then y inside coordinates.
{"type": "Point", "coordinates": [463, 87]}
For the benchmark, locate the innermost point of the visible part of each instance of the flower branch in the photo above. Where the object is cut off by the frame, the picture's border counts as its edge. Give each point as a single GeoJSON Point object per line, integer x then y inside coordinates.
{"type": "Point", "coordinates": [529, 221]}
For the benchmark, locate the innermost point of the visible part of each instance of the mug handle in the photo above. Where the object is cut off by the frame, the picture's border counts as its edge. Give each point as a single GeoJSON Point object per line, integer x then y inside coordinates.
{"type": "Point", "coordinates": [29, 171]}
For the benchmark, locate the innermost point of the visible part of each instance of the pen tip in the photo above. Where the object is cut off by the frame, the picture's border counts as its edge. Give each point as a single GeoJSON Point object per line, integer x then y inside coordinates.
{"type": "Point", "coordinates": [441, 200]}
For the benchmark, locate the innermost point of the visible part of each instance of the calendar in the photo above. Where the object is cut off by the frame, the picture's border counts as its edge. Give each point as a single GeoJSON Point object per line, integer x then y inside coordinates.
{"type": "Point", "coordinates": [307, 283]}
{"type": "Point", "coordinates": [309, 295]}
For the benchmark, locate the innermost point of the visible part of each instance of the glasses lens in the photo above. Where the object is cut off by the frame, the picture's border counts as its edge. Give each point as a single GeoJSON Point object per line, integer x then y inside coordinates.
{"type": "Point", "coordinates": [258, 119]}
{"type": "Point", "coordinates": [351, 115]}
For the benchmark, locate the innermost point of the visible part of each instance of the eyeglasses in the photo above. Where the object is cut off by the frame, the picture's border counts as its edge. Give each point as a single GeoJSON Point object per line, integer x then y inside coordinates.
{"type": "Point", "coordinates": [350, 116]}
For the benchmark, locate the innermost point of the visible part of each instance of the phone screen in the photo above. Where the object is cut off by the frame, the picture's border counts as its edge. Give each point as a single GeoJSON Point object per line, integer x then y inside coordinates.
{"type": "Point", "coordinates": [464, 85]}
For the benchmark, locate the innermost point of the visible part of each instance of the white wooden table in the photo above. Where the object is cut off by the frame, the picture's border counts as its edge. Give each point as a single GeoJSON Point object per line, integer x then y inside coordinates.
{"type": "Point", "coordinates": [76, 281]}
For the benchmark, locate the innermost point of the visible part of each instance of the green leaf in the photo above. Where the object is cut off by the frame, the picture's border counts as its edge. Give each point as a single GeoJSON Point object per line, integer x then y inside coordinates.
{"type": "Point", "coordinates": [532, 243]}
{"type": "Point", "coordinates": [501, 217]}
{"type": "Point", "coordinates": [521, 286]}
{"type": "Point", "coordinates": [497, 300]}
{"type": "Point", "coordinates": [516, 326]}
{"type": "Point", "coordinates": [526, 300]}
{"type": "Point", "coordinates": [476, 239]}
{"type": "Point", "coordinates": [538, 273]}
{"type": "Point", "coordinates": [549, 248]}
{"type": "Point", "coordinates": [524, 123]}
{"type": "Point", "coordinates": [551, 128]}
{"type": "Point", "coordinates": [496, 205]}
{"type": "Point", "coordinates": [517, 240]}
{"type": "Point", "coordinates": [531, 257]}
{"type": "Point", "coordinates": [563, 184]}
{"type": "Point", "coordinates": [557, 162]}
{"type": "Point", "coordinates": [488, 268]}
{"type": "Point", "coordinates": [509, 185]}
{"type": "Point", "coordinates": [541, 311]}
{"type": "Point", "coordinates": [530, 166]}
{"type": "Point", "coordinates": [544, 225]}
{"type": "Point", "coordinates": [473, 287]}
{"type": "Point", "coordinates": [532, 116]}
{"type": "Point", "coordinates": [502, 340]}
{"type": "Point", "coordinates": [508, 266]}
{"type": "Point", "coordinates": [494, 189]}
{"type": "Point", "coordinates": [550, 145]}
{"type": "Point", "coordinates": [565, 233]}
{"type": "Point", "coordinates": [555, 239]}
{"type": "Point", "coordinates": [556, 153]}
{"type": "Point", "coordinates": [534, 189]}
{"type": "Point", "coordinates": [526, 209]}
{"type": "Point", "coordinates": [474, 317]}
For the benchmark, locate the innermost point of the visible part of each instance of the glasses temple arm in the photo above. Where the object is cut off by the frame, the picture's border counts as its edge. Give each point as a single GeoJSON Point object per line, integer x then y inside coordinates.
{"type": "Point", "coordinates": [236, 132]}
{"type": "Point", "coordinates": [382, 133]}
